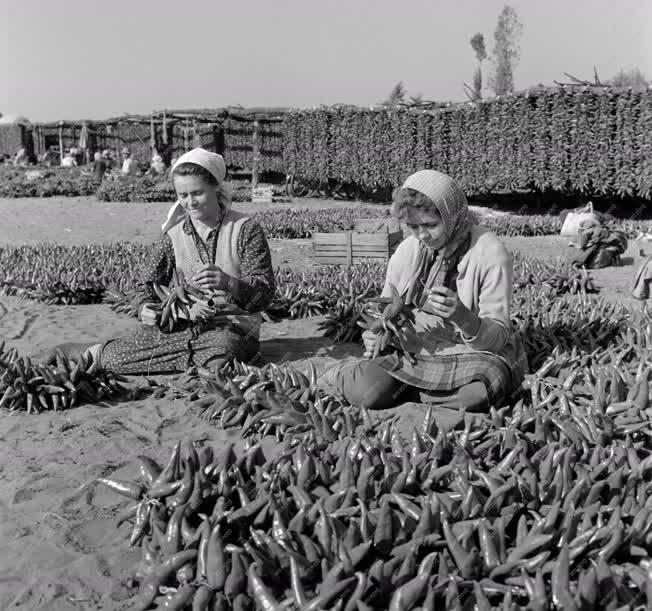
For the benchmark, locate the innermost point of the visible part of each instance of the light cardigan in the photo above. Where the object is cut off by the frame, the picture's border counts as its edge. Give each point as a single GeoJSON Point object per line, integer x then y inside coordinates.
{"type": "Point", "coordinates": [484, 286]}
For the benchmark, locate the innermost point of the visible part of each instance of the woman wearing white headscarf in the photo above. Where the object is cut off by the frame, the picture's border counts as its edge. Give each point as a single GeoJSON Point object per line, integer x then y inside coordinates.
{"type": "Point", "coordinates": [218, 250]}
{"type": "Point", "coordinates": [458, 278]}
{"type": "Point", "coordinates": [157, 167]}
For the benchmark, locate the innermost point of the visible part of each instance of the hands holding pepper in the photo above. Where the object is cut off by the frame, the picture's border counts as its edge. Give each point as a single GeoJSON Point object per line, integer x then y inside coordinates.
{"type": "Point", "coordinates": [211, 277]}
{"type": "Point", "coordinates": [446, 304]}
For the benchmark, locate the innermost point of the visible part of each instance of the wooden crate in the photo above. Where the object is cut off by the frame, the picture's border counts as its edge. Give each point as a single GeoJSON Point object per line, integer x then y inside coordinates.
{"type": "Point", "coordinates": [354, 247]}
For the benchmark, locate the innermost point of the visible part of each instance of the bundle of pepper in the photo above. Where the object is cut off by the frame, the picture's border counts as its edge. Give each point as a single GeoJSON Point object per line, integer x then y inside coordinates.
{"type": "Point", "coordinates": [176, 300]}
{"type": "Point", "coordinates": [315, 291]}
{"type": "Point", "coordinates": [273, 400]}
{"type": "Point", "coordinates": [29, 386]}
{"type": "Point", "coordinates": [560, 276]}
{"type": "Point", "coordinates": [297, 297]}
{"type": "Point", "coordinates": [591, 325]}
{"type": "Point", "coordinates": [392, 325]}
{"type": "Point", "coordinates": [127, 303]}
{"type": "Point", "coordinates": [502, 510]}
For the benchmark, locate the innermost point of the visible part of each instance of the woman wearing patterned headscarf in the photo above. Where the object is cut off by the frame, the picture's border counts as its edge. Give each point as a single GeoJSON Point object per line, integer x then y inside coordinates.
{"type": "Point", "coordinates": [458, 278]}
{"type": "Point", "coordinates": [219, 251]}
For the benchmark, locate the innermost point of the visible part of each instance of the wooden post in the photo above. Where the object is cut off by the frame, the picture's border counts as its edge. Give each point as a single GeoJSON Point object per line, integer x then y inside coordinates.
{"type": "Point", "coordinates": [60, 142]}
{"type": "Point", "coordinates": [254, 167]}
{"type": "Point", "coordinates": [152, 133]}
{"type": "Point", "coordinates": [349, 248]}
{"type": "Point", "coordinates": [165, 129]}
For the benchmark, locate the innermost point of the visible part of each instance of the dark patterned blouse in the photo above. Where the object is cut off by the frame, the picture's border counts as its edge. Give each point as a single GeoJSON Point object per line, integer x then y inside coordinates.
{"type": "Point", "coordinates": [257, 274]}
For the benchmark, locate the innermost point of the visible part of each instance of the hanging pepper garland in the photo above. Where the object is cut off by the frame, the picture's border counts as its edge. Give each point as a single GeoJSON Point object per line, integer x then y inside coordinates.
{"type": "Point", "coordinates": [592, 142]}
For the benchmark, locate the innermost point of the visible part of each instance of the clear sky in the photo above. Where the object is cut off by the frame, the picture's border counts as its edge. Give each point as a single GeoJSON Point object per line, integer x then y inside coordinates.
{"type": "Point", "coordinates": [90, 59]}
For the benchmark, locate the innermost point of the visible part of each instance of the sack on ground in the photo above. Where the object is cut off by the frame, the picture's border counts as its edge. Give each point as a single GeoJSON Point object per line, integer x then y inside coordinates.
{"type": "Point", "coordinates": [574, 219]}
{"type": "Point", "coordinates": [642, 281]}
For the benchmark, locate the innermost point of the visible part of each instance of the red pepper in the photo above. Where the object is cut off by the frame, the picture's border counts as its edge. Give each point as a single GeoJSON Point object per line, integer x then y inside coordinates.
{"type": "Point", "coordinates": [160, 574]}
{"type": "Point", "coordinates": [264, 597]}
{"type": "Point", "coordinates": [561, 594]}
{"type": "Point", "coordinates": [125, 488]}
{"type": "Point", "coordinates": [215, 560]}
{"type": "Point", "coordinates": [169, 472]}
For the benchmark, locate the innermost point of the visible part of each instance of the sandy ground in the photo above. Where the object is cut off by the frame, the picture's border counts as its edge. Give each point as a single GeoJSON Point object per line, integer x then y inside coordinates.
{"type": "Point", "coordinates": [59, 548]}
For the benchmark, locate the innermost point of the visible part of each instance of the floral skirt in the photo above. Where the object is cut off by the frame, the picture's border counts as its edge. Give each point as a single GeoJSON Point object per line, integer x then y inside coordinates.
{"type": "Point", "coordinates": [148, 351]}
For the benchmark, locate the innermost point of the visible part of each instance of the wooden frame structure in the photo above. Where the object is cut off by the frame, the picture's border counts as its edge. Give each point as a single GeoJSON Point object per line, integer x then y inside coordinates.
{"type": "Point", "coordinates": [170, 132]}
{"type": "Point", "coordinates": [352, 247]}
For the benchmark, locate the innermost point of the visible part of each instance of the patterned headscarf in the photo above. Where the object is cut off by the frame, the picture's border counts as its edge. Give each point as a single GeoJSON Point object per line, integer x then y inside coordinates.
{"type": "Point", "coordinates": [451, 204]}
{"type": "Point", "coordinates": [212, 162]}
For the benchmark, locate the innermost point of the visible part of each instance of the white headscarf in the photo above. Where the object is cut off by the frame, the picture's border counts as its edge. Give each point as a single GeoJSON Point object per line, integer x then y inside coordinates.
{"type": "Point", "coordinates": [211, 162]}
{"type": "Point", "coordinates": [451, 203]}
{"type": "Point", "coordinates": [449, 200]}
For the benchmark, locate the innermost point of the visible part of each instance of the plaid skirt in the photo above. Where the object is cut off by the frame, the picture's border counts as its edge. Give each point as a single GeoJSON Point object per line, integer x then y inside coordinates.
{"type": "Point", "coordinates": [448, 372]}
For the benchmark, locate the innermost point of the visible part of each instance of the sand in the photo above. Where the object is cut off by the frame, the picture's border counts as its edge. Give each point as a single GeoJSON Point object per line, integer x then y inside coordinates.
{"type": "Point", "coordinates": [59, 547]}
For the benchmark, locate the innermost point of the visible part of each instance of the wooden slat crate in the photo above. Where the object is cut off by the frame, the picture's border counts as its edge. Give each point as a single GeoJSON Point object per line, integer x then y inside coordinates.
{"type": "Point", "coordinates": [353, 247]}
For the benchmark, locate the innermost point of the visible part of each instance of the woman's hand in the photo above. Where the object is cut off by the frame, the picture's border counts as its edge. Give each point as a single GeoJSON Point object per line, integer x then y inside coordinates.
{"type": "Point", "coordinates": [150, 314]}
{"type": "Point", "coordinates": [446, 304]}
{"type": "Point", "coordinates": [211, 277]}
{"type": "Point", "coordinates": [200, 310]}
{"type": "Point", "coordinates": [369, 338]}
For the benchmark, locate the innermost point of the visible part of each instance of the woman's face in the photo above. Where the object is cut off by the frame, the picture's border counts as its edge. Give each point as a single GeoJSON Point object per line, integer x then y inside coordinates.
{"type": "Point", "coordinates": [197, 197]}
{"type": "Point", "coordinates": [427, 226]}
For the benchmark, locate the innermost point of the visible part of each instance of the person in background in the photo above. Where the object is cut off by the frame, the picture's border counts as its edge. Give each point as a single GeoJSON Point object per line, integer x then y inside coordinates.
{"type": "Point", "coordinates": [157, 167]}
{"type": "Point", "coordinates": [69, 160]}
{"type": "Point", "coordinates": [99, 167]}
{"type": "Point", "coordinates": [599, 245]}
{"type": "Point", "coordinates": [108, 159]}
{"type": "Point", "coordinates": [48, 157]}
{"type": "Point", "coordinates": [129, 164]}
{"type": "Point", "coordinates": [457, 276]}
{"type": "Point", "coordinates": [21, 157]}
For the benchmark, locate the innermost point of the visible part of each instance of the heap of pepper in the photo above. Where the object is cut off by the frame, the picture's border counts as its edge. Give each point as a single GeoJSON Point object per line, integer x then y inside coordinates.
{"type": "Point", "coordinates": [507, 510]}
{"type": "Point", "coordinates": [274, 400]}
{"type": "Point", "coordinates": [543, 504]}
{"type": "Point", "coordinates": [33, 387]}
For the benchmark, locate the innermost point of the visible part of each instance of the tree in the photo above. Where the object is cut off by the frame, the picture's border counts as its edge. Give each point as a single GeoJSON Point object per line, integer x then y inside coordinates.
{"type": "Point", "coordinates": [478, 46]}
{"type": "Point", "coordinates": [396, 96]}
{"type": "Point", "coordinates": [506, 51]}
{"type": "Point", "coordinates": [630, 78]}
{"type": "Point", "coordinates": [416, 99]}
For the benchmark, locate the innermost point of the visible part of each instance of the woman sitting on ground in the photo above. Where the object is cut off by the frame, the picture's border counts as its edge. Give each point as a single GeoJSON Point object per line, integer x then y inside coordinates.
{"type": "Point", "coordinates": [599, 245]}
{"type": "Point", "coordinates": [218, 250]}
{"type": "Point", "coordinates": [458, 276]}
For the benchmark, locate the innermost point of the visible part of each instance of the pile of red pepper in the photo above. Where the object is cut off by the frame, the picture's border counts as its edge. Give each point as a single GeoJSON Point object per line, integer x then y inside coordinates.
{"type": "Point", "coordinates": [273, 400]}
{"type": "Point", "coordinates": [34, 387]}
{"type": "Point", "coordinates": [542, 504]}
{"type": "Point", "coordinates": [519, 507]}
